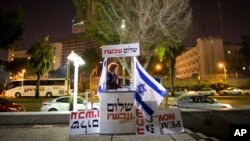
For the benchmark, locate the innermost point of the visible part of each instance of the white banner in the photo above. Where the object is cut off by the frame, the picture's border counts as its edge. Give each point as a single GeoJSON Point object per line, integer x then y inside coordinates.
{"type": "Point", "coordinates": [121, 50]}
{"type": "Point", "coordinates": [162, 122]}
{"type": "Point", "coordinates": [117, 113]}
{"type": "Point", "coordinates": [84, 122]}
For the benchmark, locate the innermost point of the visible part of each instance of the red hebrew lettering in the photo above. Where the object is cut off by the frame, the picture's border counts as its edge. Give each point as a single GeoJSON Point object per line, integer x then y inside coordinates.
{"type": "Point", "coordinates": [114, 51]}
{"type": "Point", "coordinates": [90, 114]}
{"type": "Point", "coordinates": [139, 122]}
{"type": "Point", "coordinates": [139, 113]}
{"type": "Point", "coordinates": [167, 117]}
{"type": "Point", "coordinates": [120, 51]}
{"type": "Point", "coordinates": [107, 51]}
{"type": "Point", "coordinates": [140, 131]}
{"type": "Point", "coordinates": [81, 115]}
{"type": "Point", "coordinates": [73, 115]}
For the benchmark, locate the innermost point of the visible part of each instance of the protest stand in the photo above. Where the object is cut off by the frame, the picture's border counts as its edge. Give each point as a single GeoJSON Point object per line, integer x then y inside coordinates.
{"type": "Point", "coordinates": [128, 110]}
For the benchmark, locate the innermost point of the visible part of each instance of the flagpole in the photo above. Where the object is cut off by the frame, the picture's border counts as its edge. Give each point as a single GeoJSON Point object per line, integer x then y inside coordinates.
{"type": "Point", "coordinates": [132, 72]}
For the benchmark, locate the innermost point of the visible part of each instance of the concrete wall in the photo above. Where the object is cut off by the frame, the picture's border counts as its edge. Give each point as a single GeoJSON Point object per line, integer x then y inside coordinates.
{"type": "Point", "coordinates": [210, 122]}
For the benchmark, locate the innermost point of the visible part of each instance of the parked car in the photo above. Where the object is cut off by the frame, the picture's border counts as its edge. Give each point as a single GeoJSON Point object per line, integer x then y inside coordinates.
{"type": "Point", "coordinates": [62, 104]}
{"type": "Point", "coordinates": [180, 91]}
{"type": "Point", "coordinates": [231, 91]}
{"type": "Point", "coordinates": [87, 92]}
{"type": "Point", "coordinates": [200, 101]}
{"type": "Point", "coordinates": [7, 106]}
{"type": "Point", "coordinates": [246, 91]}
{"type": "Point", "coordinates": [206, 91]}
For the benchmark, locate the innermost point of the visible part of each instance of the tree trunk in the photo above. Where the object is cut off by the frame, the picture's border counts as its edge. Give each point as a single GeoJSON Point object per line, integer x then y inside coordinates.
{"type": "Point", "coordinates": [94, 70]}
{"type": "Point", "coordinates": [171, 74]}
{"type": "Point", "coordinates": [125, 64]}
{"type": "Point", "coordinates": [37, 86]}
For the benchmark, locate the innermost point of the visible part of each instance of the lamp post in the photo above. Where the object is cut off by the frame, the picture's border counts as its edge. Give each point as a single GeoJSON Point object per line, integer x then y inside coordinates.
{"type": "Point", "coordinates": [123, 26]}
{"type": "Point", "coordinates": [23, 71]}
{"type": "Point", "coordinates": [77, 61]}
{"type": "Point", "coordinates": [221, 65]}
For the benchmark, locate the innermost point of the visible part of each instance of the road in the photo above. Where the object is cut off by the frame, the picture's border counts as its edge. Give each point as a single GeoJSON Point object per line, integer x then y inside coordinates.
{"type": "Point", "coordinates": [235, 100]}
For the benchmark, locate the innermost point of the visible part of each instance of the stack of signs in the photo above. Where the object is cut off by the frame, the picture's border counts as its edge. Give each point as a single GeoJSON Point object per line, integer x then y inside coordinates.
{"type": "Point", "coordinates": [162, 122]}
{"type": "Point", "coordinates": [118, 115]}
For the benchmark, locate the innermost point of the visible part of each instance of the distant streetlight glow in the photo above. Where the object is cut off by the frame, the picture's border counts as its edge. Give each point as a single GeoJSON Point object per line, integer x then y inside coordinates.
{"type": "Point", "coordinates": [123, 24]}
{"type": "Point", "coordinates": [158, 67]}
{"type": "Point", "coordinates": [221, 65]}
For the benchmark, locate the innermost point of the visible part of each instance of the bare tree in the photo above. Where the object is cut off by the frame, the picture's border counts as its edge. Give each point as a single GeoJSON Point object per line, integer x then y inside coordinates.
{"type": "Point", "coordinates": [147, 22]}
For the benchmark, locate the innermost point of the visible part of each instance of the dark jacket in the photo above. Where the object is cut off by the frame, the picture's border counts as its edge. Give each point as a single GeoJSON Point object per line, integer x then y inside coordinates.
{"type": "Point", "coordinates": [112, 80]}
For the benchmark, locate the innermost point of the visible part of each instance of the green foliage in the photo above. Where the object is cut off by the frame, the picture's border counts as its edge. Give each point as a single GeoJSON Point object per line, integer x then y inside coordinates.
{"type": "Point", "coordinates": [167, 51]}
{"type": "Point", "coordinates": [12, 27]}
{"type": "Point", "coordinates": [81, 9]}
{"type": "Point", "coordinates": [101, 23]}
{"type": "Point", "coordinates": [41, 59]}
{"type": "Point", "coordinates": [218, 86]}
{"type": "Point", "coordinates": [92, 57]}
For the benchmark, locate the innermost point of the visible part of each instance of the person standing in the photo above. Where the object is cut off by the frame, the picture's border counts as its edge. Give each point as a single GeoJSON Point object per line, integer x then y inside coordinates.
{"type": "Point", "coordinates": [113, 82]}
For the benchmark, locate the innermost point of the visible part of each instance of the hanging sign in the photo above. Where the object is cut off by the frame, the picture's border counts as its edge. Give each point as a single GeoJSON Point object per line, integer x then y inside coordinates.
{"type": "Point", "coordinates": [121, 50]}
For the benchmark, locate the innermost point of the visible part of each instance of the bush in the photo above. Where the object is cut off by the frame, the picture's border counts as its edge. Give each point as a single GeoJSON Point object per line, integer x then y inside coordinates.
{"type": "Point", "coordinates": [218, 86]}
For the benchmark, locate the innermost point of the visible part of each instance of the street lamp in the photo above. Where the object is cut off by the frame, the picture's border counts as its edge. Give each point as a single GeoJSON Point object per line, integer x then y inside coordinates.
{"type": "Point", "coordinates": [77, 61]}
{"type": "Point", "coordinates": [221, 65]}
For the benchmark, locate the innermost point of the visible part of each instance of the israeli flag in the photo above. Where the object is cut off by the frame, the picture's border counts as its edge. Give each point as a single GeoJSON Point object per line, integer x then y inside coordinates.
{"type": "Point", "coordinates": [148, 92]}
{"type": "Point", "coordinates": [102, 82]}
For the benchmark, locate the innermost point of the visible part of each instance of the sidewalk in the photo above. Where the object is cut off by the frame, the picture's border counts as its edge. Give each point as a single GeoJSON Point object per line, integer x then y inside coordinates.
{"type": "Point", "coordinates": [61, 133]}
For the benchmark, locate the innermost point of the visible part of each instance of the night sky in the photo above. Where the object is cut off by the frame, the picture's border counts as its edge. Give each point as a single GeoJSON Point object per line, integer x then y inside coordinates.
{"type": "Point", "coordinates": [54, 18]}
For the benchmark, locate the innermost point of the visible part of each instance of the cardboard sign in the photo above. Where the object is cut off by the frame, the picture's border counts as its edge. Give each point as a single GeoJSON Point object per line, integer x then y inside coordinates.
{"type": "Point", "coordinates": [121, 50]}
{"type": "Point", "coordinates": [117, 112]}
{"type": "Point", "coordinates": [162, 122]}
{"type": "Point", "coordinates": [84, 122]}
{"type": "Point", "coordinates": [170, 121]}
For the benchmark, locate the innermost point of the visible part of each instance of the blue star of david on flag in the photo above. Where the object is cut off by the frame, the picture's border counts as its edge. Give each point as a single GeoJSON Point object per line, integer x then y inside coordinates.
{"type": "Point", "coordinates": [141, 89]}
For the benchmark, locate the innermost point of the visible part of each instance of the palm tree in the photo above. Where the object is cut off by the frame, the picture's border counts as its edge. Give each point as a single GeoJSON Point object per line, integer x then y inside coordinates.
{"type": "Point", "coordinates": [167, 52]}
{"type": "Point", "coordinates": [92, 56]}
{"type": "Point", "coordinates": [41, 60]}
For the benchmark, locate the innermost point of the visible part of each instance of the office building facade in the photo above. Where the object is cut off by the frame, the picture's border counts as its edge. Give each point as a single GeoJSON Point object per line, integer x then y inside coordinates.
{"type": "Point", "coordinates": [211, 58]}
